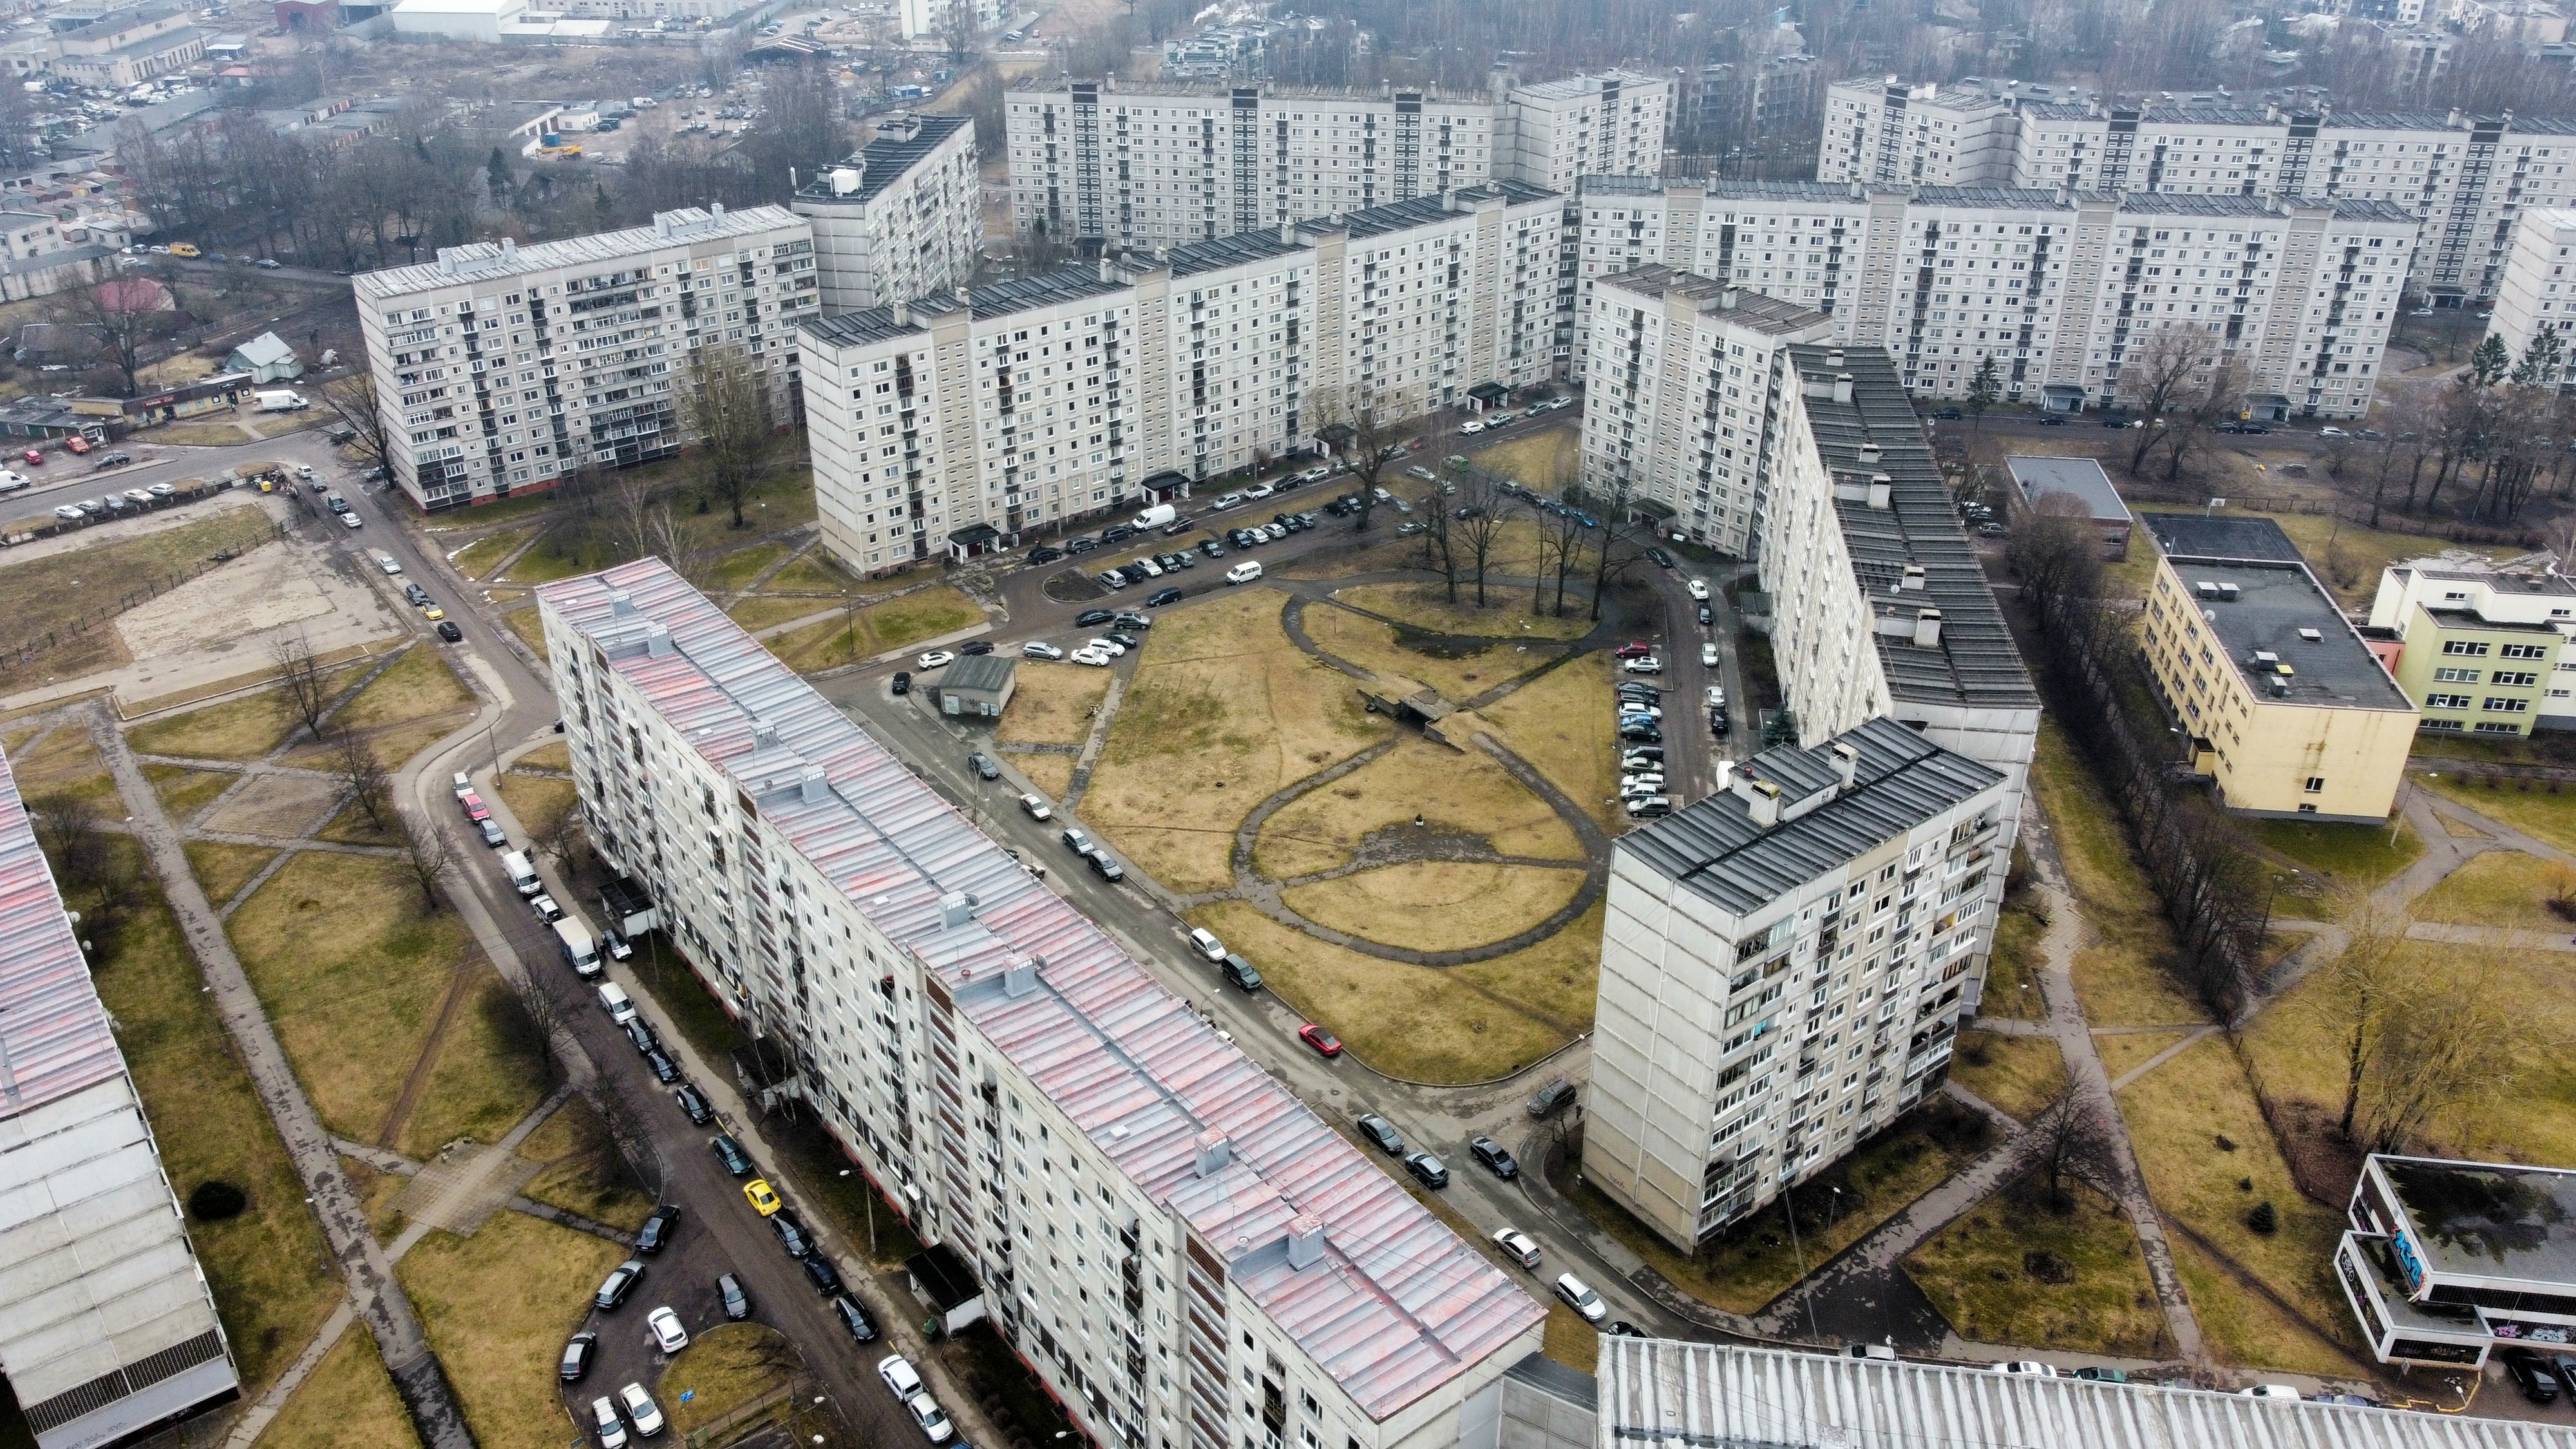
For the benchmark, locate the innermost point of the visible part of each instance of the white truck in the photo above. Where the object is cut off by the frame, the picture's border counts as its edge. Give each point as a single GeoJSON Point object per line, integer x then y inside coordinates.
{"type": "Point", "coordinates": [522, 875]}
{"type": "Point", "coordinates": [280, 400]}
{"type": "Point", "coordinates": [580, 951]}
{"type": "Point", "coordinates": [1154, 517]}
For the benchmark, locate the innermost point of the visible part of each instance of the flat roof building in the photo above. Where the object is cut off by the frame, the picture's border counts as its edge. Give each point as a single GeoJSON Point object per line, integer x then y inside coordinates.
{"type": "Point", "coordinates": [2452, 616]}
{"type": "Point", "coordinates": [2083, 481]}
{"type": "Point", "coordinates": [108, 1331]}
{"type": "Point", "coordinates": [901, 218]}
{"type": "Point", "coordinates": [2446, 1260]}
{"type": "Point", "coordinates": [1006, 1073]}
{"type": "Point", "coordinates": [2288, 710]}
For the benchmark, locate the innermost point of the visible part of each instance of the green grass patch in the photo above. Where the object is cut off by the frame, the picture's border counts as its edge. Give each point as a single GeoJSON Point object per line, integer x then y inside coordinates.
{"type": "Point", "coordinates": [485, 554]}
{"type": "Point", "coordinates": [2015, 1270]}
{"type": "Point", "coordinates": [2241, 1327]}
{"type": "Point", "coordinates": [530, 627]}
{"type": "Point", "coordinates": [414, 686]}
{"type": "Point", "coordinates": [237, 729]}
{"type": "Point", "coordinates": [2124, 979]}
{"type": "Point", "coordinates": [736, 570]}
{"type": "Point", "coordinates": [2337, 863]}
{"type": "Point", "coordinates": [272, 1275]}
{"type": "Point", "coordinates": [755, 612]}
{"type": "Point", "coordinates": [2013, 967]}
{"type": "Point", "coordinates": [222, 870]}
{"type": "Point", "coordinates": [584, 1173]}
{"type": "Point", "coordinates": [815, 573]}
{"type": "Point", "coordinates": [894, 624]}
{"type": "Point", "coordinates": [539, 801]}
{"type": "Point", "coordinates": [2538, 812]}
{"type": "Point", "coordinates": [491, 1070]}
{"type": "Point", "coordinates": [65, 762]}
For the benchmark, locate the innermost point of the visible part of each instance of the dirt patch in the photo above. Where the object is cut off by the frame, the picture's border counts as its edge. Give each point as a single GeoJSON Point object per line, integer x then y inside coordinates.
{"type": "Point", "coordinates": [1435, 905]}
{"type": "Point", "coordinates": [2322, 1163]}
{"type": "Point", "coordinates": [263, 589]}
{"type": "Point", "coordinates": [275, 805]}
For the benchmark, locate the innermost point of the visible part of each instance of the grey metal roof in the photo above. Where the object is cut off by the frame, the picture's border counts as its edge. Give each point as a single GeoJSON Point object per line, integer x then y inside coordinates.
{"type": "Point", "coordinates": [1714, 849]}
{"type": "Point", "coordinates": [1657, 1394]}
{"type": "Point", "coordinates": [1975, 664]}
{"type": "Point", "coordinates": [2080, 478]}
{"type": "Point", "coordinates": [2488, 1219]}
{"type": "Point", "coordinates": [54, 1037]}
{"type": "Point", "coordinates": [985, 672]}
{"type": "Point", "coordinates": [1424, 210]}
{"type": "Point", "coordinates": [884, 159]}
{"type": "Point", "coordinates": [1229, 251]}
{"type": "Point", "coordinates": [1753, 310]}
{"type": "Point", "coordinates": [868, 324]}
{"type": "Point", "coordinates": [483, 261]}
{"type": "Point", "coordinates": [1021, 294]}
{"type": "Point", "coordinates": [2213, 535]}
{"type": "Point", "coordinates": [2274, 602]}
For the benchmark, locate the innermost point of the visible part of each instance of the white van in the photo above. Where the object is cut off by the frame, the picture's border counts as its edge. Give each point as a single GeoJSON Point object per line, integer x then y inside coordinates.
{"type": "Point", "coordinates": [621, 1009]}
{"type": "Point", "coordinates": [1154, 517]}
{"type": "Point", "coordinates": [522, 875]}
{"type": "Point", "coordinates": [1206, 945]}
{"type": "Point", "coordinates": [1244, 572]}
{"type": "Point", "coordinates": [580, 951]}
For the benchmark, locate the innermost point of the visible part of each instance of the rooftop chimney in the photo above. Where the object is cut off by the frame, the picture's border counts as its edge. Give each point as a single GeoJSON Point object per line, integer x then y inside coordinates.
{"type": "Point", "coordinates": [661, 223]}
{"type": "Point", "coordinates": [764, 734]}
{"type": "Point", "coordinates": [1842, 387]}
{"type": "Point", "coordinates": [509, 248]}
{"type": "Point", "coordinates": [955, 909]}
{"type": "Point", "coordinates": [1846, 762]}
{"type": "Point", "coordinates": [716, 209]}
{"type": "Point", "coordinates": [1912, 579]}
{"type": "Point", "coordinates": [1305, 1241]}
{"type": "Point", "coordinates": [1287, 233]}
{"type": "Point", "coordinates": [620, 602]}
{"type": "Point", "coordinates": [1882, 489]}
{"type": "Point", "coordinates": [1214, 1152]}
{"type": "Point", "coordinates": [814, 787]}
{"type": "Point", "coordinates": [1021, 977]}
{"type": "Point", "coordinates": [657, 641]}
{"type": "Point", "coordinates": [903, 314]}
{"type": "Point", "coordinates": [1870, 454]}
{"type": "Point", "coordinates": [1927, 628]}
{"type": "Point", "coordinates": [1834, 358]}
{"type": "Point", "coordinates": [1761, 798]}
{"type": "Point", "coordinates": [1108, 268]}
{"type": "Point", "coordinates": [1726, 300]}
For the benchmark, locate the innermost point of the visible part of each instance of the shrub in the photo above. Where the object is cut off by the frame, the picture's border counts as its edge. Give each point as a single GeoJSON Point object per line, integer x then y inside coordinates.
{"type": "Point", "coordinates": [215, 1200]}
{"type": "Point", "coordinates": [2263, 1219]}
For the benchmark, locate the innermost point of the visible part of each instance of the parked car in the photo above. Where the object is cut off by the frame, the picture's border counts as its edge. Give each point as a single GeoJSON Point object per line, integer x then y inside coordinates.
{"type": "Point", "coordinates": [641, 1410]}
{"type": "Point", "coordinates": [983, 766]}
{"type": "Point", "coordinates": [862, 1329]}
{"type": "Point", "coordinates": [1497, 1158]}
{"type": "Point", "coordinates": [1161, 597]}
{"type": "Point", "coordinates": [1381, 1132]}
{"type": "Point", "coordinates": [935, 659]}
{"type": "Point", "coordinates": [2531, 1374]}
{"type": "Point", "coordinates": [1105, 868]}
{"type": "Point", "coordinates": [1551, 1099]}
{"type": "Point", "coordinates": [1426, 1169]}
{"type": "Point", "coordinates": [902, 682]}
{"type": "Point", "coordinates": [693, 1103]}
{"type": "Point", "coordinates": [2031, 1367]}
{"type": "Point", "coordinates": [1078, 840]}
{"type": "Point", "coordinates": [665, 1070]}
{"type": "Point", "coordinates": [1040, 649]}
{"type": "Point", "coordinates": [1324, 1042]}
{"type": "Point", "coordinates": [729, 1292]}
{"type": "Point", "coordinates": [1238, 973]}
{"type": "Point", "coordinates": [604, 1418]}
{"type": "Point", "coordinates": [762, 1197]}
{"type": "Point", "coordinates": [820, 1272]}
{"type": "Point", "coordinates": [577, 1353]}
{"type": "Point", "coordinates": [1518, 1246]}
{"type": "Point", "coordinates": [658, 1227]}
{"type": "Point", "coordinates": [620, 1282]}
{"type": "Point", "coordinates": [791, 1234]}
{"type": "Point", "coordinates": [1036, 807]}
{"type": "Point", "coordinates": [1579, 1296]}
{"type": "Point", "coordinates": [729, 1152]}
{"type": "Point", "coordinates": [669, 1335]}
{"type": "Point", "coordinates": [1093, 618]}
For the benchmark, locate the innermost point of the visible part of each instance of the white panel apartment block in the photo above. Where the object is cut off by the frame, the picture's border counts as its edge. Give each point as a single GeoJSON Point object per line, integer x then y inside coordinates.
{"type": "Point", "coordinates": [971, 421]}
{"type": "Point", "coordinates": [2539, 292]}
{"type": "Point", "coordinates": [499, 368]}
{"type": "Point", "coordinates": [901, 218]}
{"type": "Point", "coordinates": [1783, 969]}
{"type": "Point", "coordinates": [1171, 165]}
{"type": "Point", "coordinates": [1184, 1254]}
{"type": "Point", "coordinates": [2468, 179]}
{"type": "Point", "coordinates": [2056, 286]}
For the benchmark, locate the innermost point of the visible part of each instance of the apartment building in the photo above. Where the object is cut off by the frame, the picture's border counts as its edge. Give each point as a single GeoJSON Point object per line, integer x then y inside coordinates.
{"type": "Point", "coordinates": [1679, 403]}
{"type": "Point", "coordinates": [2538, 294]}
{"type": "Point", "coordinates": [108, 1333]}
{"type": "Point", "coordinates": [2475, 632]}
{"type": "Point", "coordinates": [964, 423]}
{"type": "Point", "coordinates": [932, 19]}
{"type": "Point", "coordinates": [1090, 163]}
{"type": "Point", "coordinates": [1176, 1245]}
{"type": "Point", "coordinates": [2467, 178]}
{"type": "Point", "coordinates": [2058, 287]}
{"type": "Point", "coordinates": [1784, 968]}
{"type": "Point", "coordinates": [499, 368]}
{"type": "Point", "coordinates": [901, 218]}
{"type": "Point", "coordinates": [2287, 710]}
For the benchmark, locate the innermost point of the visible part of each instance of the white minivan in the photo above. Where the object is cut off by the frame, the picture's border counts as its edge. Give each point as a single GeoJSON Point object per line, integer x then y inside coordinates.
{"type": "Point", "coordinates": [1206, 945]}
{"type": "Point", "coordinates": [1244, 572]}
{"type": "Point", "coordinates": [621, 1007]}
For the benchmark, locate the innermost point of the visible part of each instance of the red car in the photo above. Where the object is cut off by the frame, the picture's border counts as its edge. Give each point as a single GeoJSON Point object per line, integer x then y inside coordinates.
{"type": "Point", "coordinates": [1324, 1042]}
{"type": "Point", "coordinates": [1633, 651]}
{"type": "Point", "coordinates": [77, 444]}
{"type": "Point", "coordinates": [475, 809]}
{"type": "Point", "coordinates": [32, 456]}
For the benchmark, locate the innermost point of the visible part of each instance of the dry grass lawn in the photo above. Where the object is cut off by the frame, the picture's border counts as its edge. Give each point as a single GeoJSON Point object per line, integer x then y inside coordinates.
{"type": "Point", "coordinates": [2243, 1328]}
{"type": "Point", "coordinates": [1545, 461]}
{"type": "Point", "coordinates": [64, 762]}
{"type": "Point", "coordinates": [1052, 704]}
{"type": "Point", "coordinates": [1427, 607]}
{"type": "Point", "coordinates": [735, 571]}
{"type": "Point", "coordinates": [1569, 1340]}
{"type": "Point", "coordinates": [1429, 905]}
{"type": "Point", "coordinates": [723, 1369]}
{"type": "Point", "coordinates": [530, 628]}
{"type": "Point", "coordinates": [498, 1307]}
{"type": "Point", "coordinates": [2125, 1052]}
{"type": "Point", "coordinates": [813, 572]}
{"type": "Point", "coordinates": [2337, 863]}
{"type": "Point", "coordinates": [2536, 813]}
{"type": "Point", "coordinates": [238, 729]}
{"type": "Point", "coordinates": [1466, 792]}
{"type": "Point", "coordinates": [1427, 1024]}
{"type": "Point", "coordinates": [1557, 723]}
{"type": "Point", "coordinates": [2121, 978]}
{"type": "Point", "coordinates": [894, 624]}
{"type": "Point", "coordinates": [484, 554]}
{"type": "Point", "coordinates": [348, 1399]}
{"type": "Point", "coordinates": [1050, 773]}
{"type": "Point", "coordinates": [2012, 969]}
{"type": "Point", "coordinates": [1374, 646]}
{"type": "Point", "coordinates": [184, 791]}
{"type": "Point", "coordinates": [490, 1071]}
{"type": "Point", "coordinates": [584, 1173]}
{"type": "Point", "coordinates": [537, 800]}
{"type": "Point", "coordinates": [555, 756]}
{"type": "Point", "coordinates": [1222, 713]}
{"type": "Point", "coordinates": [2499, 888]}
{"type": "Point", "coordinates": [2020, 1074]}
{"type": "Point", "coordinates": [417, 698]}
{"type": "Point", "coordinates": [756, 612]}
{"type": "Point", "coordinates": [2349, 558]}
{"type": "Point", "coordinates": [352, 827]}
{"type": "Point", "coordinates": [273, 1278]}
{"type": "Point", "coordinates": [59, 590]}
{"type": "Point", "coordinates": [2012, 1270]}
{"type": "Point", "coordinates": [352, 974]}
{"type": "Point", "coordinates": [2209, 1158]}
{"type": "Point", "coordinates": [222, 870]}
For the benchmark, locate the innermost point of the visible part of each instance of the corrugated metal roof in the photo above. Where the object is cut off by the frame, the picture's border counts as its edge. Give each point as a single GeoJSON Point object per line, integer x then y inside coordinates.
{"type": "Point", "coordinates": [1397, 1306]}
{"type": "Point", "coordinates": [1424, 210]}
{"type": "Point", "coordinates": [1714, 849]}
{"type": "Point", "coordinates": [1975, 664]}
{"type": "Point", "coordinates": [1658, 1394]}
{"type": "Point", "coordinates": [54, 1037]}
{"type": "Point", "coordinates": [483, 261]}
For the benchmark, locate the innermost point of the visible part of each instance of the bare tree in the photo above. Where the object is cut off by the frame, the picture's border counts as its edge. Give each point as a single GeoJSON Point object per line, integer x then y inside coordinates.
{"type": "Point", "coordinates": [1372, 442]}
{"type": "Point", "coordinates": [430, 857]}
{"type": "Point", "coordinates": [2056, 550]}
{"type": "Point", "coordinates": [2157, 380]}
{"type": "Point", "coordinates": [565, 839]}
{"type": "Point", "coordinates": [724, 403]}
{"type": "Point", "coordinates": [2362, 995]}
{"type": "Point", "coordinates": [669, 540]}
{"type": "Point", "coordinates": [351, 401]}
{"type": "Point", "coordinates": [2068, 1140]}
{"type": "Point", "coordinates": [363, 776]}
{"type": "Point", "coordinates": [300, 674]}
{"type": "Point", "coordinates": [1616, 552]}
{"type": "Point", "coordinates": [1481, 520]}
{"type": "Point", "coordinates": [68, 829]}
{"type": "Point", "coordinates": [124, 315]}
{"type": "Point", "coordinates": [1561, 543]}
{"type": "Point", "coordinates": [2439, 1054]}
{"type": "Point", "coordinates": [1440, 539]}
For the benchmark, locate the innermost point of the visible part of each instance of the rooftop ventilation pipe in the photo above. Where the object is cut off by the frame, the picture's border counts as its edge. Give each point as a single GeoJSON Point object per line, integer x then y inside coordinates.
{"type": "Point", "coordinates": [1927, 628]}
{"type": "Point", "coordinates": [1021, 977]}
{"type": "Point", "coordinates": [1761, 798]}
{"type": "Point", "coordinates": [1305, 1241]}
{"type": "Point", "coordinates": [1214, 1152]}
{"type": "Point", "coordinates": [657, 641]}
{"type": "Point", "coordinates": [1846, 762]}
{"type": "Point", "coordinates": [814, 787]}
{"type": "Point", "coordinates": [764, 733]}
{"type": "Point", "coordinates": [1842, 387]}
{"type": "Point", "coordinates": [620, 602]}
{"type": "Point", "coordinates": [955, 909]}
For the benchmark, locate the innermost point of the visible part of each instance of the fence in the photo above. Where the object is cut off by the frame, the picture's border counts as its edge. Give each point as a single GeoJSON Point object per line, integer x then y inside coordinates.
{"type": "Point", "coordinates": [23, 652]}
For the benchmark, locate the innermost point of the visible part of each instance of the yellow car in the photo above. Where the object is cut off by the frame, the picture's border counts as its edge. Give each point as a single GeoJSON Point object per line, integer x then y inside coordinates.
{"type": "Point", "coordinates": [183, 249]}
{"type": "Point", "coordinates": [761, 1197]}
{"type": "Point", "coordinates": [432, 612]}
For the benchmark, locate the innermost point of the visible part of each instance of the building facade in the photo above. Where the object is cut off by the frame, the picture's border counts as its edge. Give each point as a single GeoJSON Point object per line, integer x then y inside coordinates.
{"type": "Point", "coordinates": [964, 423]}
{"type": "Point", "coordinates": [1183, 1252]}
{"type": "Point", "coordinates": [2286, 709]}
{"type": "Point", "coordinates": [2059, 288]}
{"type": "Point", "coordinates": [2469, 178]}
{"type": "Point", "coordinates": [899, 219]}
{"type": "Point", "coordinates": [2539, 295]}
{"type": "Point", "coordinates": [2446, 1261]}
{"type": "Point", "coordinates": [1092, 164]}
{"type": "Point", "coordinates": [499, 368]}
{"type": "Point", "coordinates": [108, 1332]}
{"type": "Point", "coordinates": [1784, 968]}
{"type": "Point", "coordinates": [2472, 631]}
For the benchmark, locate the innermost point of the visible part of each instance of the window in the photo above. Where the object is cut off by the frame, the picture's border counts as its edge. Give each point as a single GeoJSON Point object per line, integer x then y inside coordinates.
{"type": "Point", "coordinates": [2495, 727]}
{"type": "Point", "coordinates": [2474, 649]}
{"type": "Point", "coordinates": [2316, 784]}
{"type": "Point", "coordinates": [2307, 809]}
{"type": "Point", "coordinates": [2456, 676]}
{"type": "Point", "coordinates": [2446, 701]}
{"type": "Point", "coordinates": [2512, 677]}
{"type": "Point", "coordinates": [2505, 704]}
{"type": "Point", "coordinates": [2524, 651]}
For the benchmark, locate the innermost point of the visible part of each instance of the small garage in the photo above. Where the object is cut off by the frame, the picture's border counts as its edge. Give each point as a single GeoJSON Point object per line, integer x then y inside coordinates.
{"type": "Point", "coordinates": [979, 685]}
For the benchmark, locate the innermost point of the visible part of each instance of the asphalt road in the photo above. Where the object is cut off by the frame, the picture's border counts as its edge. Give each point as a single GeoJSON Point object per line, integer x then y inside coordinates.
{"type": "Point", "coordinates": [63, 478]}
